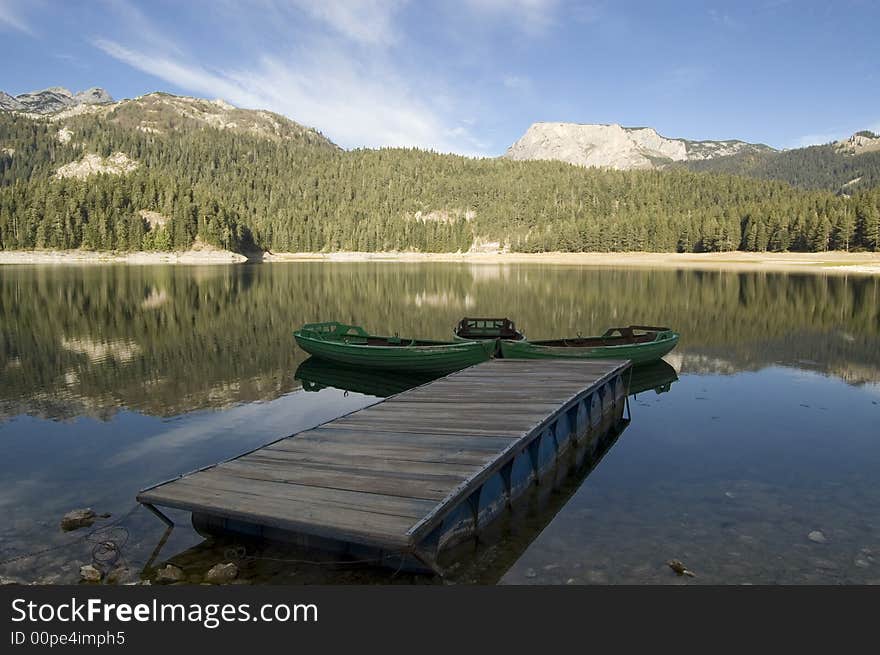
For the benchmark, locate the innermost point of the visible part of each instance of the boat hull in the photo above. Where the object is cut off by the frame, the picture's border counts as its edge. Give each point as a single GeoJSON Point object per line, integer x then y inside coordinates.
{"type": "Point", "coordinates": [638, 353]}
{"type": "Point", "coordinates": [413, 359]}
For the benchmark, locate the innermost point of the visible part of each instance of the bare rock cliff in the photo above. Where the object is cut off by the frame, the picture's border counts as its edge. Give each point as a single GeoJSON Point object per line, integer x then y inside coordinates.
{"type": "Point", "coordinates": [614, 146]}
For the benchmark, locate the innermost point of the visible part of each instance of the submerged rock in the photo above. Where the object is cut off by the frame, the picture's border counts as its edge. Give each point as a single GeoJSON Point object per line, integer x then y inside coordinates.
{"type": "Point", "coordinates": [817, 537]}
{"type": "Point", "coordinates": [169, 574]}
{"type": "Point", "coordinates": [222, 573]}
{"type": "Point", "coordinates": [89, 573]}
{"type": "Point", "coordinates": [120, 575]}
{"type": "Point", "coordinates": [597, 577]}
{"type": "Point", "coordinates": [78, 518]}
{"type": "Point", "coordinates": [679, 568]}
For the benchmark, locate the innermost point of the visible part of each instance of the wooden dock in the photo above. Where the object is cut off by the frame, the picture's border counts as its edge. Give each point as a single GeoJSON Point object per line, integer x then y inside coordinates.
{"type": "Point", "coordinates": [414, 473]}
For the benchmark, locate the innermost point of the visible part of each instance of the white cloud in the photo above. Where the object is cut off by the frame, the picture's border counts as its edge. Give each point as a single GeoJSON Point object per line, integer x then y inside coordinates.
{"type": "Point", "coordinates": [187, 76]}
{"type": "Point", "coordinates": [356, 103]}
{"type": "Point", "coordinates": [136, 22]}
{"type": "Point", "coordinates": [11, 16]}
{"type": "Point", "coordinates": [533, 17]}
{"type": "Point", "coordinates": [365, 21]}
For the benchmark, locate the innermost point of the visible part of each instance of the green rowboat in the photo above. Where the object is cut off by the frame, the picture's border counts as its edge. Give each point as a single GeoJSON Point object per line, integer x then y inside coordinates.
{"type": "Point", "coordinates": [637, 343]}
{"type": "Point", "coordinates": [354, 346]}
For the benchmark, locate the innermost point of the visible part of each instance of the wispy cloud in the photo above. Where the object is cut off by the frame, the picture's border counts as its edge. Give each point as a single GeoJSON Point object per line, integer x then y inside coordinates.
{"type": "Point", "coordinates": [724, 19]}
{"type": "Point", "coordinates": [192, 77]}
{"type": "Point", "coordinates": [366, 21]}
{"type": "Point", "coordinates": [335, 68]}
{"type": "Point", "coordinates": [354, 102]}
{"type": "Point", "coordinates": [133, 21]}
{"type": "Point", "coordinates": [12, 17]}
{"type": "Point", "coordinates": [532, 17]}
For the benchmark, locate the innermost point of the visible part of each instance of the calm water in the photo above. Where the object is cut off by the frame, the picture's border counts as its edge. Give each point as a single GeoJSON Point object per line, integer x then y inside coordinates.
{"type": "Point", "coordinates": [766, 426]}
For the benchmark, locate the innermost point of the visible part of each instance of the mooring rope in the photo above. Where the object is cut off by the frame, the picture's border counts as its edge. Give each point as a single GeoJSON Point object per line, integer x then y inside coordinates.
{"type": "Point", "coordinates": [106, 551]}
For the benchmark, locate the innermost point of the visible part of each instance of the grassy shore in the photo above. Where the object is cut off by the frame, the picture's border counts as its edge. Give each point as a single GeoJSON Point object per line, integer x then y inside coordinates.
{"type": "Point", "coordinates": [825, 262]}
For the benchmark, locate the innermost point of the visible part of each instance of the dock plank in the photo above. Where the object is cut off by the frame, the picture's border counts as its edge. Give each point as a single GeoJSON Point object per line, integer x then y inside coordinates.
{"type": "Point", "coordinates": [414, 452]}
{"type": "Point", "coordinates": [351, 479]}
{"type": "Point", "coordinates": [386, 474]}
{"type": "Point", "coordinates": [223, 480]}
{"type": "Point", "coordinates": [366, 463]}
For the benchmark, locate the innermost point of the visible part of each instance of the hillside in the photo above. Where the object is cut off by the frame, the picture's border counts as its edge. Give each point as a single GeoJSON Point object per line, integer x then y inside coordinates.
{"type": "Point", "coordinates": [843, 166]}
{"type": "Point", "coordinates": [160, 171]}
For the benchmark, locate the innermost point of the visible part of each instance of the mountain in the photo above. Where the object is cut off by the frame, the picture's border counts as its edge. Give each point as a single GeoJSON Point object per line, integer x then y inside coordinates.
{"type": "Point", "coordinates": [163, 172]}
{"type": "Point", "coordinates": [8, 103]}
{"type": "Point", "coordinates": [617, 147]}
{"type": "Point", "coordinates": [52, 100]}
{"type": "Point", "coordinates": [161, 113]}
{"type": "Point", "coordinates": [859, 143]}
{"type": "Point", "coordinates": [842, 166]}
{"type": "Point", "coordinates": [156, 113]}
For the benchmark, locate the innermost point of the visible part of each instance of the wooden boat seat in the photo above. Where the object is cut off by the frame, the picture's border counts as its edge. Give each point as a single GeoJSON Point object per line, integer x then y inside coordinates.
{"type": "Point", "coordinates": [479, 328]}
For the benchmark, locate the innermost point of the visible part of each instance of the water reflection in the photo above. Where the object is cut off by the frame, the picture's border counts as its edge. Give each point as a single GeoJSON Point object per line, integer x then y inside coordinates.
{"type": "Point", "coordinates": [113, 378]}
{"type": "Point", "coordinates": [656, 376]}
{"type": "Point", "coordinates": [315, 374]}
{"type": "Point", "coordinates": [166, 341]}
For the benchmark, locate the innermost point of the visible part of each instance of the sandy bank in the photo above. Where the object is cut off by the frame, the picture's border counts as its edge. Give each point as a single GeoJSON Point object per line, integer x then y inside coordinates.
{"type": "Point", "coordinates": [828, 262]}
{"type": "Point", "coordinates": [188, 257]}
{"type": "Point", "coordinates": [824, 262]}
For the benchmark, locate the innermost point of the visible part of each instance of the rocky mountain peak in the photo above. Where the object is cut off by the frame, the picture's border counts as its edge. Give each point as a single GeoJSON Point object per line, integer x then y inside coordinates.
{"type": "Point", "coordinates": [615, 146]}
{"type": "Point", "coordinates": [859, 143]}
{"type": "Point", "coordinates": [93, 96]}
{"type": "Point", "coordinates": [52, 100]}
{"type": "Point", "coordinates": [8, 103]}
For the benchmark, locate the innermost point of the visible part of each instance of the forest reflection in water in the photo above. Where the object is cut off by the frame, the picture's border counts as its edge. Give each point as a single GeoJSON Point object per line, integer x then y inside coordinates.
{"type": "Point", "coordinates": [115, 377]}
{"type": "Point", "coordinates": [169, 340]}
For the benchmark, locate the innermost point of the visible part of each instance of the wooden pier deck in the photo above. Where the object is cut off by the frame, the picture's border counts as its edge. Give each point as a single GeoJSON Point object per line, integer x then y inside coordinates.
{"type": "Point", "coordinates": [419, 470]}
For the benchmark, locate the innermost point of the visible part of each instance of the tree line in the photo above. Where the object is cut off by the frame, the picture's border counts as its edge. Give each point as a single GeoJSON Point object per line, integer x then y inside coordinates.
{"type": "Point", "coordinates": [242, 192]}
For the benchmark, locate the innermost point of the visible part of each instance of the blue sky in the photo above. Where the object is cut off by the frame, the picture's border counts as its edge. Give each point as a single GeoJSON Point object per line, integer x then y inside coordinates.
{"type": "Point", "coordinates": [470, 76]}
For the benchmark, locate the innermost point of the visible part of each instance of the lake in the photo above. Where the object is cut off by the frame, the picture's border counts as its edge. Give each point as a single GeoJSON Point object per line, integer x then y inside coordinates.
{"type": "Point", "coordinates": [753, 456]}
